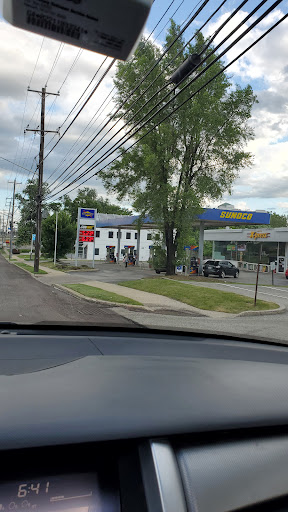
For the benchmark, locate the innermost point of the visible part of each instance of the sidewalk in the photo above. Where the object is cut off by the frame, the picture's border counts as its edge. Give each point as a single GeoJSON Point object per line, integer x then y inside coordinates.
{"type": "Point", "coordinates": [154, 302]}
{"type": "Point", "coordinates": [31, 264]}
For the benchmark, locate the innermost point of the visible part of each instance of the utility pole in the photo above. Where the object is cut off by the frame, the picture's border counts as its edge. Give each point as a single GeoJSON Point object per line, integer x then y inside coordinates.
{"type": "Point", "coordinates": [12, 217]}
{"type": "Point", "coordinates": [8, 217]}
{"type": "Point", "coordinates": [39, 196]}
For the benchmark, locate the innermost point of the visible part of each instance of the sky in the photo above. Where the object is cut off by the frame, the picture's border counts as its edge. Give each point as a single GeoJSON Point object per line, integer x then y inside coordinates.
{"type": "Point", "coordinates": [27, 59]}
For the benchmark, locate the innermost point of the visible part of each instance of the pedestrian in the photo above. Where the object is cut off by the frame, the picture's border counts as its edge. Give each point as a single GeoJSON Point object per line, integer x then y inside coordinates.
{"type": "Point", "coordinates": [126, 261]}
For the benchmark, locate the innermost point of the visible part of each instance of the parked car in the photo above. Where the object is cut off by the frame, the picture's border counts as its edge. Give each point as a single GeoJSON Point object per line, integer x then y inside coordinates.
{"type": "Point", "coordinates": [221, 268]}
{"type": "Point", "coordinates": [158, 270]}
{"type": "Point", "coordinates": [15, 251]}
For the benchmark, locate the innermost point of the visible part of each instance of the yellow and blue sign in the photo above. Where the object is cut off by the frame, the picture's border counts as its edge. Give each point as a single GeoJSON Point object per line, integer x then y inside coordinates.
{"type": "Point", "coordinates": [87, 213]}
{"type": "Point", "coordinates": [243, 217]}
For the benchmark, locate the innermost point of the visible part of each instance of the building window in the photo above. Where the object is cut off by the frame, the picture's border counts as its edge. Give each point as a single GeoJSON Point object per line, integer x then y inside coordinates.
{"type": "Point", "coordinates": [97, 234]}
{"type": "Point", "coordinates": [97, 251]}
{"type": "Point", "coordinates": [136, 236]}
{"type": "Point", "coordinates": [118, 234]}
{"type": "Point", "coordinates": [110, 234]}
{"type": "Point", "coordinates": [149, 236]}
{"type": "Point", "coordinates": [128, 236]}
{"type": "Point", "coordinates": [123, 252]}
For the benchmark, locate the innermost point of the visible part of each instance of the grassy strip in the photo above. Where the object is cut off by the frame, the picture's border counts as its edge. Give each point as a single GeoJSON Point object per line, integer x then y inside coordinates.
{"type": "Point", "coordinates": [98, 293]}
{"type": "Point", "coordinates": [200, 297]}
{"type": "Point", "coordinates": [29, 268]}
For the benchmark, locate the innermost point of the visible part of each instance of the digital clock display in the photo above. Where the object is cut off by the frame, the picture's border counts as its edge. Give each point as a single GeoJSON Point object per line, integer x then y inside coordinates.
{"type": "Point", "coordinates": [77, 492]}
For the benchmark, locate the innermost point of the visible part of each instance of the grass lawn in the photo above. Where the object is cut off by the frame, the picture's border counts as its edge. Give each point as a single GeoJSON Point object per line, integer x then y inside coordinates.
{"type": "Point", "coordinates": [29, 268]}
{"type": "Point", "coordinates": [98, 293]}
{"type": "Point", "coordinates": [200, 297]}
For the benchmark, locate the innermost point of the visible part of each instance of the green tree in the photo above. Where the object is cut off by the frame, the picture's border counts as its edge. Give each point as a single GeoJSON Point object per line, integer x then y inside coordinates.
{"type": "Point", "coordinates": [195, 154]}
{"type": "Point", "coordinates": [88, 198]}
{"type": "Point", "coordinates": [66, 234]}
{"type": "Point", "coordinates": [278, 221]}
{"type": "Point", "coordinates": [27, 204]}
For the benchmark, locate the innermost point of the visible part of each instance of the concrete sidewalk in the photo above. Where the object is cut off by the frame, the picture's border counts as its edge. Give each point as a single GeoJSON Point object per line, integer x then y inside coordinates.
{"type": "Point", "coordinates": [154, 302]}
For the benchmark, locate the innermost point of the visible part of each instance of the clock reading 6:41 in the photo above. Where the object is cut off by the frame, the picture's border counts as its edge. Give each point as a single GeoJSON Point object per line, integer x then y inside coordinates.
{"type": "Point", "coordinates": [24, 489]}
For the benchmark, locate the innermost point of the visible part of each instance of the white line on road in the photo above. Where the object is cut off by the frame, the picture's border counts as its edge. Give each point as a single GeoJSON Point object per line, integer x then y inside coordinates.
{"type": "Point", "coordinates": [247, 290]}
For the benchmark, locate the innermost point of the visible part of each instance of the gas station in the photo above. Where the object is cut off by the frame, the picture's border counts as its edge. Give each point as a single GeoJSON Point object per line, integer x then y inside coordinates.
{"type": "Point", "coordinates": [230, 219]}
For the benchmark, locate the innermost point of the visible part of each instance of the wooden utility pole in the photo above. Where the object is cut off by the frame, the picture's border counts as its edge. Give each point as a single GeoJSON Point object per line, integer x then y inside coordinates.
{"type": "Point", "coordinates": [12, 217]}
{"type": "Point", "coordinates": [39, 196]}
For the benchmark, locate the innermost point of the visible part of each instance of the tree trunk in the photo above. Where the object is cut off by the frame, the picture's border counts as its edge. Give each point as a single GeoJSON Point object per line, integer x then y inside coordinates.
{"type": "Point", "coordinates": [170, 246]}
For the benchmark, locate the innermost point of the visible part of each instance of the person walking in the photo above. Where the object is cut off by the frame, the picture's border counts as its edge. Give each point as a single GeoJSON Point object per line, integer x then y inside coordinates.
{"type": "Point", "coordinates": [126, 261]}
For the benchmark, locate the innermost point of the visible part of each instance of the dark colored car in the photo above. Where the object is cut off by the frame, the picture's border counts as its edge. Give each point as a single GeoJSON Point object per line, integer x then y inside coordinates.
{"type": "Point", "coordinates": [221, 268]}
{"type": "Point", "coordinates": [158, 270]}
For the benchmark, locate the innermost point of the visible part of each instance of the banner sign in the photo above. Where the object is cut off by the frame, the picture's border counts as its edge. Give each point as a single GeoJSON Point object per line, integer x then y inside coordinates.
{"type": "Point", "coordinates": [244, 217]}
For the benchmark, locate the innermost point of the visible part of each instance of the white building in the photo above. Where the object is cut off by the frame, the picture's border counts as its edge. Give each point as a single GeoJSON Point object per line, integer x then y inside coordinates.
{"type": "Point", "coordinates": [106, 244]}
{"type": "Point", "coordinates": [115, 237]}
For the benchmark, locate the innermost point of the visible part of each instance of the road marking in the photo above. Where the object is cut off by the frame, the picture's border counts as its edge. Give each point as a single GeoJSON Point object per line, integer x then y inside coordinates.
{"type": "Point", "coordinates": [247, 290]}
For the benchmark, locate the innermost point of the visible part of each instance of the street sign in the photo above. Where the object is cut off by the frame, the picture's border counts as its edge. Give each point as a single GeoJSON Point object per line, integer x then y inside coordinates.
{"type": "Point", "coordinates": [33, 237]}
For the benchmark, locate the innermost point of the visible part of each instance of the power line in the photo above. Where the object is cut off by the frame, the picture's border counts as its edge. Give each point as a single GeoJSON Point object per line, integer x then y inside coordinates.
{"type": "Point", "coordinates": [74, 107]}
{"type": "Point", "coordinates": [173, 90]}
{"type": "Point", "coordinates": [32, 76]}
{"type": "Point", "coordinates": [102, 158]}
{"type": "Point", "coordinates": [57, 57]}
{"type": "Point", "coordinates": [188, 99]}
{"type": "Point", "coordinates": [171, 17]}
{"type": "Point", "coordinates": [113, 88]}
{"type": "Point", "coordinates": [204, 3]}
{"type": "Point", "coordinates": [161, 18]}
{"type": "Point", "coordinates": [85, 103]}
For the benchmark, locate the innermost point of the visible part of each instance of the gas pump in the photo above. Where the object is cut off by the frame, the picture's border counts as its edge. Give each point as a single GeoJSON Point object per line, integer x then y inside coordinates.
{"type": "Point", "coordinates": [129, 251]}
{"type": "Point", "coordinates": [110, 254]}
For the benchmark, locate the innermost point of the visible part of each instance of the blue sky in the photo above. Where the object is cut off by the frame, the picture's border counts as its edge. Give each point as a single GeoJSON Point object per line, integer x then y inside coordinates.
{"type": "Point", "coordinates": [264, 186]}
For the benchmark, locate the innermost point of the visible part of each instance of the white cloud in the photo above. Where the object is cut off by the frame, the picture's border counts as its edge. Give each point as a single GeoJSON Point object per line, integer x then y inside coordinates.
{"type": "Point", "coordinates": [265, 64]}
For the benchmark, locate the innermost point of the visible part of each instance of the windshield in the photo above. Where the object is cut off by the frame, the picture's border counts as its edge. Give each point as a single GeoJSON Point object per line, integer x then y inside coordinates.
{"type": "Point", "coordinates": [119, 180]}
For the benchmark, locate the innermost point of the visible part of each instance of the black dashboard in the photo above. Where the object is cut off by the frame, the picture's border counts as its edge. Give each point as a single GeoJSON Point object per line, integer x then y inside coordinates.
{"type": "Point", "coordinates": [141, 421]}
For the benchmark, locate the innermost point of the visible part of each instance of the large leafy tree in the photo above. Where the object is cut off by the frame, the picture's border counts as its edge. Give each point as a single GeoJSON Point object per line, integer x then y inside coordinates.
{"type": "Point", "coordinates": [27, 205]}
{"type": "Point", "coordinates": [66, 234]}
{"type": "Point", "coordinates": [88, 198]}
{"type": "Point", "coordinates": [194, 155]}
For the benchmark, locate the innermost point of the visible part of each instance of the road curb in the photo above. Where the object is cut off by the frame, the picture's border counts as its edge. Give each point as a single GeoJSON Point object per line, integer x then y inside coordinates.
{"type": "Point", "coordinates": [25, 270]}
{"type": "Point", "coordinates": [91, 299]}
{"type": "Point", "coordinates": [277, 311]}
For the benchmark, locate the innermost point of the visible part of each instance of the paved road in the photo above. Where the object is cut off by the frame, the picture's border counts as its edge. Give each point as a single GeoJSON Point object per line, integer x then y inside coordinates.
{"type": "Point", "coordinates": [106, 273]}
{"type": "Point", "coordinates": [270, 327]}
{"type": "Point", "coordinates": [23, 299]}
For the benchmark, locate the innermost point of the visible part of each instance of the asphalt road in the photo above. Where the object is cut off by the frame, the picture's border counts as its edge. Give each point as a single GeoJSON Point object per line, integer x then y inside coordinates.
{"type": "Point", "coordinates": [23, 299]}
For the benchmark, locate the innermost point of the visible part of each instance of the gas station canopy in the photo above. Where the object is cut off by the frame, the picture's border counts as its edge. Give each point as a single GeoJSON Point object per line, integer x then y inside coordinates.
{"type": "Point", "coordinates": [209, 217]}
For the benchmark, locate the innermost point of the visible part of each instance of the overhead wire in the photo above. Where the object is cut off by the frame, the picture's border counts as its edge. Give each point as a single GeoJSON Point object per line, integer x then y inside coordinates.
{"type": "Point", "coordinates": [174, 88]}
{"type": "Point", "coordinates": [74, 107]}
{"type": "Point", "coordinates": [161, 18]}
{"type": "Point", "coordinates": [114, 87]}
{"type": "Point", "coordinates": [146, 74]}
{"type": "Point", "coordinates": [171, 17]}
{"type": "Point", "coordinates": [57, 57]}
{"type": "Point", "coordinates": [185, 101]}
{"type": "Point", "coordinates": [85, 103]}
{"type": "Point", "coordinates": [103, 157]}
{"type": "Point", "coordinates": [144, 92]}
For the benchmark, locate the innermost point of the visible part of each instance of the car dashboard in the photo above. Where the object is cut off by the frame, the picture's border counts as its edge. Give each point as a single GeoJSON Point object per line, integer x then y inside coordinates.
{"type": "Point", "coordinates": [141, 421]}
